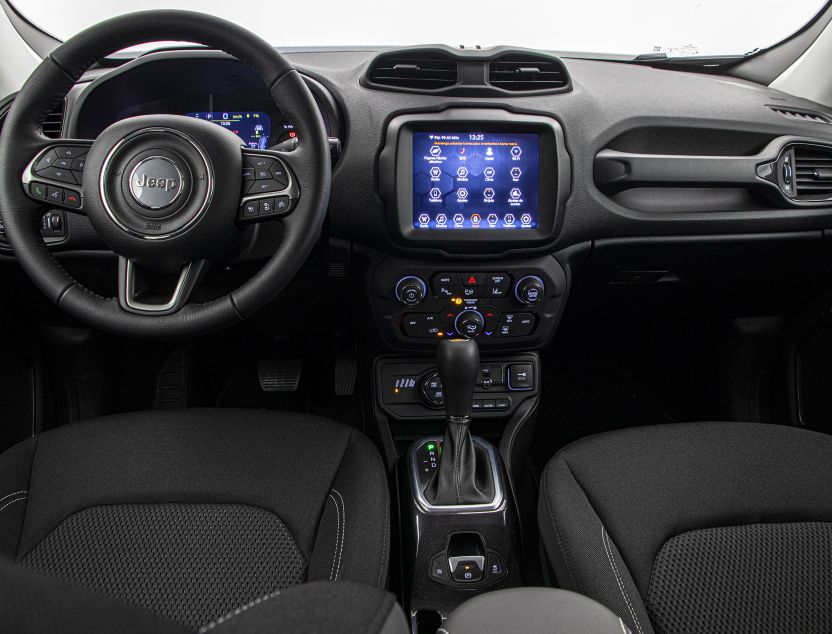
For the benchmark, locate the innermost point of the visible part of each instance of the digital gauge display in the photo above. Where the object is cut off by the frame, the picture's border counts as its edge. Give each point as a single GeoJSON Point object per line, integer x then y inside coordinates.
{"type": "Point", "coordinates": [253, 128]}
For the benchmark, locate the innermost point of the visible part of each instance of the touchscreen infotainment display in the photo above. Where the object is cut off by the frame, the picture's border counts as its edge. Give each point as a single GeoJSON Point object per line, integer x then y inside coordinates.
{"type": "Point", "coordinates": [475, 180]}
{"type": "Point", "coordinates": [253, 128]}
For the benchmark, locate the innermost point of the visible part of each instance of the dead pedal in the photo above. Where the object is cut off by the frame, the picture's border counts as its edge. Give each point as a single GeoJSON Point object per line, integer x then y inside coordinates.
{"type": "Point", "coordinates": [346, 371]}
{"type": "Point", "coordinates": [279, 375]}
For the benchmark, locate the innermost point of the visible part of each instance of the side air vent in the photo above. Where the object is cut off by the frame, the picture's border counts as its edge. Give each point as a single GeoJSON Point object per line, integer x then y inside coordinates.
{"type": "Point", "coordinates": [415, 71]}
{"type": "Point", "coordinates": [802, 115]}
{"type": "Point", "coordinates": [813, 172]}
{"type": "Point", "coordinates": [521, 73]}
{"type": "Point", "coordinates": [53, 123]}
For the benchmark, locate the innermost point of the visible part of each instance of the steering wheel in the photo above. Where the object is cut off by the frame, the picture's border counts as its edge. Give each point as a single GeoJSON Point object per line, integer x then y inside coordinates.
{"type": "Point", "coordinates": [168, 194]}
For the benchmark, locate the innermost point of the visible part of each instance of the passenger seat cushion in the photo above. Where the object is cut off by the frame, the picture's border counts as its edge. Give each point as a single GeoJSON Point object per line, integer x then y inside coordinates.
{"type": "Point", "coordinates": [610, 503]}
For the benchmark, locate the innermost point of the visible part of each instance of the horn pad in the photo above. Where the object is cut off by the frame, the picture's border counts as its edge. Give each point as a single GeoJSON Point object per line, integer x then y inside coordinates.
{"type": "Point", "coordinates": [163, 190]}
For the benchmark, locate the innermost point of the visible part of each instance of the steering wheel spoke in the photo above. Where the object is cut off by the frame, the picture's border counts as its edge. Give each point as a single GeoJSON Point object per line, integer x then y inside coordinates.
{"type": "Point", "coordinates": [148, 293]}
{"type": "Point", "coordinates": [269, 188]}
{"type": "Point", "coordinates": [55, 175]}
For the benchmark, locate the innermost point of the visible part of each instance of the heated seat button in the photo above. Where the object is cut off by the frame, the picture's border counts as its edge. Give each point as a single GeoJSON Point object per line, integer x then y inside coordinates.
{"type": "Point", "coordinates": [521, 376]}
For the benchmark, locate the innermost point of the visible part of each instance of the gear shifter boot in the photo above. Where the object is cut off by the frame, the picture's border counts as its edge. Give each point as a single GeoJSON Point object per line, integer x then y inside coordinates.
{"type": "Point", "coordinates": [464, 475]}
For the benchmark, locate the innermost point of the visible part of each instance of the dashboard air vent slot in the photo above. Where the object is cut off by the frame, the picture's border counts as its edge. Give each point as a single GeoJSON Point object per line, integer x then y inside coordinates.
{"type": "Point", "coordinates": [520, 73]}
{"type": "Point", "coordinates": [53, 123]}
{"type": "Point", "coordinates": [419, 71]}
{"type": "Point", "coordinates": [813, 172]}
{"type": "Point", "coordinates": [802, 115]}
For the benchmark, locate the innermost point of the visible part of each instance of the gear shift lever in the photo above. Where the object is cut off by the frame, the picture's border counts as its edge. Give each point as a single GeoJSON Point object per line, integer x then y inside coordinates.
{"type": "Point", "coordinates": [464, 474]}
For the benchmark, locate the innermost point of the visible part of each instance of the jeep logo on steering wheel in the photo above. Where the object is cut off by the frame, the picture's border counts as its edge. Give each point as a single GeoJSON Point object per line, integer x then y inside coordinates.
{"type": "Point", "coordinates": [155, 182]}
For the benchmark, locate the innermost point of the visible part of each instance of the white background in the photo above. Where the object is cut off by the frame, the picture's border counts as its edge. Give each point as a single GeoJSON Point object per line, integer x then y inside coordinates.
{"type": "Point", "coordinates": [606, 26]}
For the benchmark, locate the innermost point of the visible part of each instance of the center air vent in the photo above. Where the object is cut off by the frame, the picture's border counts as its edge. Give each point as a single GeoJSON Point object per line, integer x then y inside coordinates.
{"type": "Point", "coordinates": [520, 73]}
{"type": "Point", "coordinates": [813, 172]}
{"type": "Point", "coordinates": [418, 71]}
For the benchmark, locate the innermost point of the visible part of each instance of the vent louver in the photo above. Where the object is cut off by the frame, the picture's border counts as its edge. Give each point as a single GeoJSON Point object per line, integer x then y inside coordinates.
{"type": "Point", "coordinates": [419, 71]}
{"type": "Point", "coordinates": [813, 172]}
{"type": "Point", "coordinates": [519, 73]}
{"type": "Point", "coordinates": [802, 115]}
{"type": "Point", "coordinates": [53, 123]}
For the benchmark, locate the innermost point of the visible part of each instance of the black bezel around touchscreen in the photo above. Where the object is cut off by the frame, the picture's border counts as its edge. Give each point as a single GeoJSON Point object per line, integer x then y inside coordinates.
{"type": "Point", "coordinates": [396, 177]}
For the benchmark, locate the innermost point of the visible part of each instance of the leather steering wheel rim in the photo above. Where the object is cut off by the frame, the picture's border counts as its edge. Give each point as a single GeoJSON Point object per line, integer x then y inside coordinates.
{"type": "Point", "coordinates": [22, 139]}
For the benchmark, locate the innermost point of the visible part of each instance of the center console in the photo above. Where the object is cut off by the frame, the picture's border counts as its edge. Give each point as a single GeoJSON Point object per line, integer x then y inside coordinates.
{"type": "Point", "coordinates": [473, 197]}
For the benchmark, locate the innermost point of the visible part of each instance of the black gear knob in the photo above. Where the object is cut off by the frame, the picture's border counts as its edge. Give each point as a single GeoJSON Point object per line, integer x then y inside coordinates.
{"type": "Point", "coordinates": [459, 364]}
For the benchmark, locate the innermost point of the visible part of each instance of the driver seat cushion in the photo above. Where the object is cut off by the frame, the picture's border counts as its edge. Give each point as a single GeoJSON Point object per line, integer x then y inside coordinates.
{"type": "Point", "coordinates": [706, 527]}
{"type": "Point", "coordinates": [193, 513]}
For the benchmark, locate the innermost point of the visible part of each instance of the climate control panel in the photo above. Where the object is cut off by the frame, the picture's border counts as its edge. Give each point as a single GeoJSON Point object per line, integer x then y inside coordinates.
{"type": "Point", "coordinates": [502, 306]}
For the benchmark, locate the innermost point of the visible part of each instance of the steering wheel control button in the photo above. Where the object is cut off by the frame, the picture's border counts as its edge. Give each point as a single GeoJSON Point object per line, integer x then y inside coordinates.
{"type": "Point", "coordinates": [521, 376]}
{"type": "Point", "coordinates": [47, 160]}
{"type": "Point", "coordinates": [156, 182]}
{"type": "Point", "coordinates": [251, 209]}
{"type": "Point", "coordinates": [55, 195]}
{"type": "Point", "coordinates": [259, 162]}
{"type": "Point", "coordinates": [411, 290]}
{"type": "Point", "coordinates": [265, 187]}
{"type": "Point", "coordinates": [60, 175]}
{"type": "Point", "coordinates": [278, 174]}
{"type": "Point", "coordinates": [38, 190]}
{"type": "Point", "coordinates": [72, 199]}
{"type": "Point", "coordinates": [530, 290]}
{"type": "Point", "coordinates": [71, 152]}
{"type": "Point", "coordinates": [248, 173]}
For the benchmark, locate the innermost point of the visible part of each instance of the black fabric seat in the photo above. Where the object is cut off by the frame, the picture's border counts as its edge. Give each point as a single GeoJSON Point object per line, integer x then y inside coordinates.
{"type": "Point", "coordinates": [191, 514]}
{"type": "Point", "coordinates": [705, 527]}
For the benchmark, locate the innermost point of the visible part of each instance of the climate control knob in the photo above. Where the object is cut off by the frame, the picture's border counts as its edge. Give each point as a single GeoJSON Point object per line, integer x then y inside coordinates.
{"type": "Point", "coordinates": [469, 323]}
{"type": "Point", "coordinates": [530, 290]}
{"type": "Point", "coordinates": [411, 290]}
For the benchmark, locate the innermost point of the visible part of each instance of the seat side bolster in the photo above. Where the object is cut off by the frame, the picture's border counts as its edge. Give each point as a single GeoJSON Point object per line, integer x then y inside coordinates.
{"type": "Point", "coordinates": [353, 538]}
{"type": "Point", "coordinates": [583, 554]}
{"type": "Point", "coordinates": [15, 476]}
